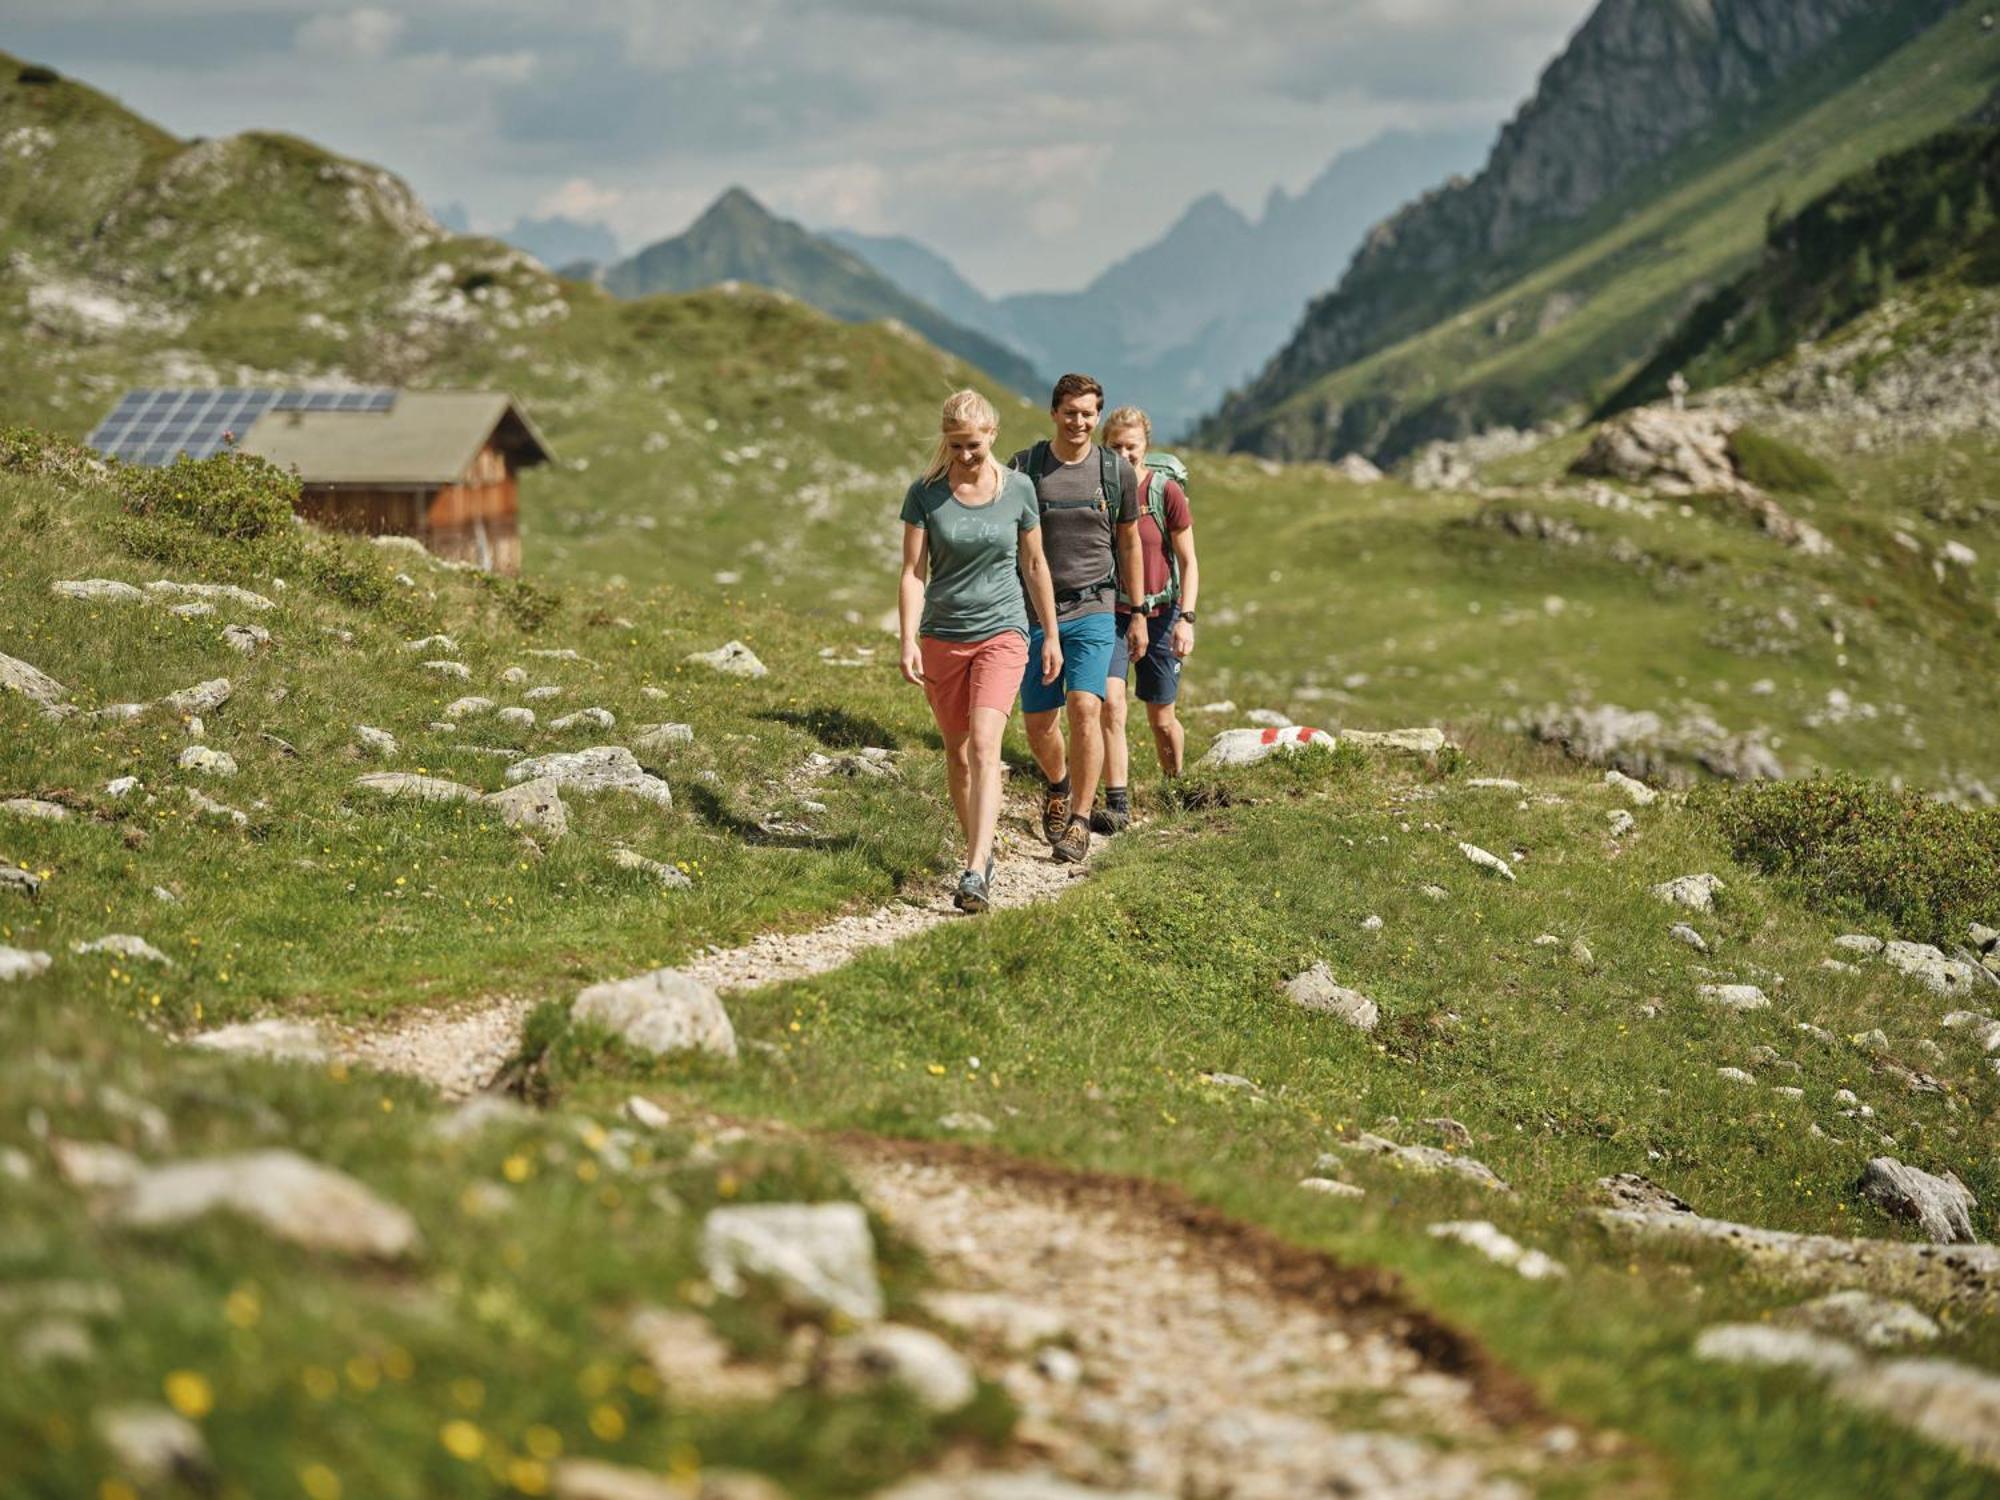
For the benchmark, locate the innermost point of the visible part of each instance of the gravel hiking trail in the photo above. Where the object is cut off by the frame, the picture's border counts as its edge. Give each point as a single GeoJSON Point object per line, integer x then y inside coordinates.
{"type": "Point", "coordinates": [460, 1050]}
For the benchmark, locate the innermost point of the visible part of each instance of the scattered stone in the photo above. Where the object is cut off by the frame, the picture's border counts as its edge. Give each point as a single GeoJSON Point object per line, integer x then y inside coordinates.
{"type": "Point", "coordinates": [97, 591]}
{"type": "Point", "coordinates": [1952, 1404]}
{"type": "Point", "coordinates": [1763, 1344]}
{"type": "Point", "coordinates": [1633, 1193]}
{"type": "Point", "coordinates": [154, 1446]}
{"type": "Point", "coordinates": [22, 963]}
{"type": "Point", "coordinates": [248, 639]}
{"type": "Point", "coordinates": [547, 692]}
{"type": "Point", "coordinates": [1435, 892]}
{"type": "Point", "coordinates": [1226, 706]}
{"type": "Point", "coordinates": [1835, 966]}
{"type": "Point", "coordinates": [660, 1012]}
{"type": "Point", "coordinates": [920, 1362]}
{"type": "Point", "coordinates": [162, 588]}
{"type": "Point", "coordinates": [990, 1316]}
{"type": "Point", "coordinates": [402, 784]}
{"type": "Point", "coordinates": [202, 698]}
{"type": "Point", "coordinates": [1734, 1075]}
{"type": "Point", "coordinates": [1858, 942]}
{"type": "Point", "coordinates": [374, 741]}
{"type": "Point", "coordinates": [208, 807]}
{"type": "Point", "coordinates": [121, 786]}
{"type": "Point", "coordinates": [1940, 1206]}
{"type": "Point", "coordinates": [466, 708]}
{"type": "Point", "coordinates": [1695, 892]}
{"type": "Point", "coordinates": [820, 1254]}
{"type": "Point", "coordinates": [1316, 990]}
{"type": "Point", "coordinates": [1735, 996]}
{"type": "Point", "coordinates": [586, 718]}
{"type": "Point", "coordinates": [593, 1479]}
{"type": "Point", "coordinates": [1621, 821]}
{"type": "Point", "coordinates": [1982, 1028]}
{"type": "Point", "coordinates": [644, 1112]}
{"type": "Point", "coordinates": [732, 660]}
{"type": "Point", "coordinates": [208, 762]}
{"type": "Point", "coordinates": [23, 881]}
{"type": "Point", "coordinates": [1426, 741]}
{"type": "Point", "coordinates": [442, 643]}
{"type": "Point", "coordinates": [1877, 1322]}
{"type": "Point", "coordinates": [694, 1363]}
{"type": "Point", "coordinates": [1427, 1159]}
{"type": "Point", "coordinates": [280, 1040]}
{"type": "Point", "coordinates": [456, 669]}
{"type": "Point", "coordinates": [94, 1166]}
{"type": "Point", "coordinates": [125, 945]}
{"type": "Point", "coordinates": [600, 768]}
{"type": "Point", "coordinates": [1246, 747]}
{"type": "Point", "coordinates": [533, 805]}
{"type": "Point", "coordinates": [54, 1341]}
{"type": "Point", "coordinates": [37, 687]}
{"type": "Point", "coordinates": [967, 1122]}
{"type": "Point", "coordinates": [1634, 791]}
{"type": "Point", "coordinates": [34, 807]}
{"type": "Point", "coordinates": [1501, 1248]}
{"type": "Point", "coordinates": [1495, 784]}
{"type": "Point", "coordinates": [1941, 975]}
{"type": "Point", "coordinates": [1331, 1187]}
{"type": "Point", "coordinates": [1487, 861]}
{"type": "Point", "coordinates": [518, 718]}
{"type": "Point", "coordinates": [1371, 924]}
{"type": "Point", "coordinates": [294, 1199]}
{"type": "Point", "coordinates": [1680, 932]}
{"type": "Point", "coordinates": [667, 875]}
{"type": "Point", "coordinates": [656, 738]}
{"type": "Point", "coordinates": [1030, 1484]}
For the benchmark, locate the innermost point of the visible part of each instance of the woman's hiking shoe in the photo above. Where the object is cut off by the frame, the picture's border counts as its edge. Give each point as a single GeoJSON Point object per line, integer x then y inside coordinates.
{"type": "Point", "coordinates": [1074, 843]}
{"type": "Point", "coordinates": [1110, 820]}
{"type": "Point", "coordinates": [1055, 814]}
{"type": "Point", "coordinates": [971, 895]}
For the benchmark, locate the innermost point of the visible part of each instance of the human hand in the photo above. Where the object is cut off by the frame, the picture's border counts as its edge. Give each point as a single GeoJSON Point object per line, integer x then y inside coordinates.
{"type": "Point", "coordinates": [1052, 660]}
{"type": "Point", "coordinates": [1136, 636]}
{"type": "Point", "coordinates": [913, 663]}
{"type": "Point", "coordinates": [1183, 638]}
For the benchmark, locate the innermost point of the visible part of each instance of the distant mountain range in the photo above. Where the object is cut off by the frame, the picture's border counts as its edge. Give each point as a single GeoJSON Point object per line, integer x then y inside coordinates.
{"type": "Point", "coordinates": [738, 239]}
{"type": "Point", "coordinates": [1174, 326]}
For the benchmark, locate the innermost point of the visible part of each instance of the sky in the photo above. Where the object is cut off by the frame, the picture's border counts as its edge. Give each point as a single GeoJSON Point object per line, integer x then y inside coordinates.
{"type": "Point", "coordinates": [1032, 141]}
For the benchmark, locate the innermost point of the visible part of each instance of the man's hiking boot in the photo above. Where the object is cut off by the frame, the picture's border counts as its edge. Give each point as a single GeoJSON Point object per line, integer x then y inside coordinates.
{"type": "Point", "coordinates": [1055, 814]}
{"type": "Point", "coordinates": [1111, 820]}
{"type": "Point", "coordinates": [971, 895]}
{"type": "Point", "coordinates": [1074, 843]}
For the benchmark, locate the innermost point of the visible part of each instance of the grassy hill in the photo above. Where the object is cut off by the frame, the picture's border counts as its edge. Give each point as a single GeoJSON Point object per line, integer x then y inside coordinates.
{"type": "Point", "coordinates": [1580, 306]}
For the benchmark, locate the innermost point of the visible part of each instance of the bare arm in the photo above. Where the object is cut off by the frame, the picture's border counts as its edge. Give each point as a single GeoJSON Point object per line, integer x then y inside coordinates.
{"type": "Point", "coordinates": [910, 597]}
{"type": "Point", "coordinates": [1042, 599]}
{"type": "Point", "coordinates": [1132, 563]}
{"type": "Point", "coordinates": [1182, 542]}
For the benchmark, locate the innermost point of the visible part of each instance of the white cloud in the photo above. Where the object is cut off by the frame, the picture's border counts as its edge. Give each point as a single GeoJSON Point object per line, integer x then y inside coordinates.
{"type": "Point", "coordinates": [366, 34]}
{"type": "Point", "coordinates": [580, 198]}
{"type": "Point", "coordinates": [500, 67]}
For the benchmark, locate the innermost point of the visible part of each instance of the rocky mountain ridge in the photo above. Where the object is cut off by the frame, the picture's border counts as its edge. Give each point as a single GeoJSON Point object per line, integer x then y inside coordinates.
{"type": "Point", "coordinates": [1641, 80]}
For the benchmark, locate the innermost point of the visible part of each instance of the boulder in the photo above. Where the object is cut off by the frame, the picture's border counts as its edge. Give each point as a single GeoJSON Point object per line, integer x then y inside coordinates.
{"type": "Point", "coordinates": [1680, 932]}
{"type": "Point", "coordinates": [1427, 1159]}
{"type": "Point", "coordinates": [586, 718]}
{"type": "Point", "coordinates": [1952, 1404]}
{"type": "Point", "coordinates": [1246, 747]}
{"type": "Point", "coordinates": [37, 687]}
{"type": "Point", "coordinates": [1877, 1322]}
{"type": "Point", "coordinates": [519, 718]}
{"type": "Point", "coordinates": [1735, 996]}
{"type": "Point", "coordinates": [402, 784]}
{"type": "Point", "coordinates": [248, 639]}
{"type": "Point", "coordinates": [1634, 791]}
{"type": "Point", "coordinates": [661, 1012]}
{"type": "Point", "coordinates": [598, 769]}
{"type": "Point", "coordinates": [125, 945]}
{"type": "Point", "coordinates": [440, 643]}
{"type": "Point", "coordinates": [543, 694]}
{"type": "Point", "coordinates": [24, 882]}
{"type": "Point", "coordinates": [533, 805]}
{"type": "Point", "coordinates": [165, 589]}
{"type": "Point", "coordinates": [283, 1041]}
{"type": "Point", "coordinates": [1763, 1344]}
{"type": "Point", "coordinates": [1926, 964]}
{"type": "Point", "coordinates": [1331, 1187]}
{"type": "Point", "coordinates": [208, 762]}
{"type": "Point", "coordinates": [466, 708]}
{"type": "Point", "coordinates": [1636, 1194]}
{"type": "Point", "coordinates": [1940, 1206]}
{"type": "Point", "coordinates": [292, 1198]}
{"type": "Point", "coordinates": [819, 1255]}
{"type": "Point", "coordinates": [22, 963]}
{"type": "Point", "coordinates": [657, 738]}
{"type": "Point", "coordinates": [918, 1361]}
{"type": "Point", "coordinates": [121, 786]}
{"type": "Point", "coordinates": [220, 812]}
{"type": "Point", "coordinates": [732, 660]}
{"type": "Point", "coordinates": [457, 670]}
{"type": "Point", "coordinates": [34, 807]}
{"type": "Point", "coordinates": [97, 591]}
{"type": "Point", "coordinates": [1357, 469]}
{"type": "Point", "coordinates": [202, 698]}
{"type": "Point", "coordinates": [1316, 990]}
{"type": "Point", "coordinates": [374, 741]}
{"type": "Point", "coordinates": [1695, 892]}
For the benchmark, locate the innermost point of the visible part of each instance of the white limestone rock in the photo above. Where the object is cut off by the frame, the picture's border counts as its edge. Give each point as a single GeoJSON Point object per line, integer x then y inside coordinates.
{"type": "Point", "coordinates": [1634, 791]}
{"type": "Point", "coordinates": [600, 768]}
{"type": "Point", "coordinates": [536, 806]}
{"type": "Point", "coordinates": [1427, 1159]}
{"type": "Point", "coordinates": [468, 707]}
{"type": "Point", "coordinates": [1874, 1321]}
{"type": "Point", "coordinates": [1940, 975]}
{"type": "Point", "coordinates": [1501, 1248]}
{"type": "Point", "coordinates": [374, 741]}
{"type": "Point", "coordinates": [40, 689]}
{"type": "Point", "coordinates": [918, 1361]}
{"type": "Point", "coordinates": [1769, 1345]}
{"type": "Point", "coordinates": [228, 592]}
{"type": "Point", "coordinates": [1316, 990]}
{"type": "Point", "coordinates": [97, 591]}
{"type": "Point", "coordinates": [661, 1012]}
{"type": "Point", "coordinates": [399, 785]}
{"type": "Point", "coordinates": [821, 1255]}
{"type": "Point", "coordinates": [732, 660]}
{"type": "Point", "coordinates": [1695, 892]}
{"type": "Point", "coordinates": [294, 1199]}
{"type": "Point", "coordinates": [1246, 747]}
{"type": "Point", "coordinates": [456, 670]}
{"type": "Point", "coordinates": [125, 945]}
{"type": "Point", "coordinates": [658, 738]}
{"type": "Point", "coordinates": [35, 807]}
{"type": "Point", "coordinates": [248, 639]}
{"type": "Point", "coordinates": [1940, 1206]}
{"type": "Point", "coordinates": [206, 761]}
{"type": "Point", "coordinates": [667, 875]}
{"type": "Point", "coordinates": [1425, 741]}
{"type": "Point", "coordinates": [1735, 996]}
{"type": "Point", "coordinates": [279, 1040]}
{"type": "Point", "coordinates": [153, 1445]}
{"type": "Point", "coordinates": [1487, 861]}
{"type": "Point", "coordinates": [586, 718]}
{"type": "Point", "coordinates": [22, 963]}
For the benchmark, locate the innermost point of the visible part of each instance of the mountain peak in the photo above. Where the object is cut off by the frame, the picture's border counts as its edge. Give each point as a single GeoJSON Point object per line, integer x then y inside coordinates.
{"type": "Point", "coordinates": [736, 205]}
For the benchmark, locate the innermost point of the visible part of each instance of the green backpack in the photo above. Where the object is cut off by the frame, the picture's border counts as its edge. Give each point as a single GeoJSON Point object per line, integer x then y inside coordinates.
{"type": "Point", "coordinates": [1160, 467]}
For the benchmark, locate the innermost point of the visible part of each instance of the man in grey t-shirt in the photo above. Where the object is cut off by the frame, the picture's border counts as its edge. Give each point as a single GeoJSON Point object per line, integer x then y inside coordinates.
{"type": "Point", "coordinates": [1089, 499]}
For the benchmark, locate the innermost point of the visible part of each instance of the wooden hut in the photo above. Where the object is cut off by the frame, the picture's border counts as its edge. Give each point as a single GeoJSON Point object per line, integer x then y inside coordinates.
{"type": "Point", "coordinates": [439, 466]}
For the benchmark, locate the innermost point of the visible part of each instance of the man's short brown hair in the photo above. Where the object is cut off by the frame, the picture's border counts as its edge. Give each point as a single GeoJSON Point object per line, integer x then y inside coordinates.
{"type": "Point", "coordinates": [1075, 385]}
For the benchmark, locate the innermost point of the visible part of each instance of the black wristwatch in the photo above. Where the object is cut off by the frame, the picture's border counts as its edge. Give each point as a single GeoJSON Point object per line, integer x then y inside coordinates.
{"type": "Point", "coordinates": [1188, 615]}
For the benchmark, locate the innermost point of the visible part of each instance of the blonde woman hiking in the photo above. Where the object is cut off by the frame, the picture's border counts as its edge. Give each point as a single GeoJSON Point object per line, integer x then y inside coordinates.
{"type": "Point", "coordinates": [1172, 582]}
{"type": "Point", "coordinates": [971, 540]}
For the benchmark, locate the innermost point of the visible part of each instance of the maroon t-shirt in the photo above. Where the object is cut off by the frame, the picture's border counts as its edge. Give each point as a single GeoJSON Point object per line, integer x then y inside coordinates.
{"type": "Point", "coordinates": [1151, 543]}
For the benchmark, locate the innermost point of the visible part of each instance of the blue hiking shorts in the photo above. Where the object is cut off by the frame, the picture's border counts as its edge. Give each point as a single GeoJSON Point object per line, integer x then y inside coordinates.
{"type": "Point", "coordinates": [1159, 668]}
{"type": "Point", "coordinates": [1086, 644]}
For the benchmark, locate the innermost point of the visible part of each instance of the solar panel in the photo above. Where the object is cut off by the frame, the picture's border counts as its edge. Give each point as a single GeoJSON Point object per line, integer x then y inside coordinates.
{"type": "Point", "coordinates": [155, 426]}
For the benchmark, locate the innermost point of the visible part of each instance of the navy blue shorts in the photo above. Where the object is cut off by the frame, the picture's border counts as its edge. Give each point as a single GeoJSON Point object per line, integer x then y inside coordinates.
{"type": "Point", "coordinates": [1159, 668]}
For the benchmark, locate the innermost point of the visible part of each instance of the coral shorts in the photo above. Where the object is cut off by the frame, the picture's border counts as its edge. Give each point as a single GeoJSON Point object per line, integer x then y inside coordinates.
{"type": "Point", "coordinates": [960, 676]}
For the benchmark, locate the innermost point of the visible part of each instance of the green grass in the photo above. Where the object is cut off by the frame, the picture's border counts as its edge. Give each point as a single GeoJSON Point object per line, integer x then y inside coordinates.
{"type": "Point", "coordinates": [1091, 1022]}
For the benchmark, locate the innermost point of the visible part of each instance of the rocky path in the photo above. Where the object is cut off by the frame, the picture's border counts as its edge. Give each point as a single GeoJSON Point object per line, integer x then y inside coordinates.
{"type": "Point", "coordinates": [1157, 1349]}
{"type": "Point", "coordinates": [459, 1051]}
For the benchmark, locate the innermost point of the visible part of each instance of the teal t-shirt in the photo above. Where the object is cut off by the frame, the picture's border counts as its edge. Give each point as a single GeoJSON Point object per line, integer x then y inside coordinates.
{"type": "Point", "coordinates": [974, 590]}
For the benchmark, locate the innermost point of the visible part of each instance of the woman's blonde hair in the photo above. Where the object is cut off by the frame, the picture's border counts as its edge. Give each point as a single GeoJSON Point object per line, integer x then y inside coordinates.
{"type": "Point", "coordinates": [1129, 416]}
{"type": "Point", "coordinates": [962, 409]}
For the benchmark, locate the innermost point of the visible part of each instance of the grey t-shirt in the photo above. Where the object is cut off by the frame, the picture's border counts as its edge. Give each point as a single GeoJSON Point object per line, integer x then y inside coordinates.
{"type": "Point", "coordinates": [974, 590]}
{"type": "Point", "coordinates": [1075, 534]}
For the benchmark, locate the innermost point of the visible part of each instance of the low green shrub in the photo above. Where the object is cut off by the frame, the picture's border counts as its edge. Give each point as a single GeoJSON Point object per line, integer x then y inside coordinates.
{"type": "Point", "coordinates": [29, 450]}
{"type": "Point", "coordinates": [1773, 464]}
{"type": "Point", "coordinates": [527, 605]}
{"type": "Point", "coordinates": [1856, 847]}
{"type": "Point", "coordinates": [232, 495]}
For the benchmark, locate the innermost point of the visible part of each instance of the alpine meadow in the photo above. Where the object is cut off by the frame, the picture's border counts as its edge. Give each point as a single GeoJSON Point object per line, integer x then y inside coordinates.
{"type": "Point", "coordinates": [489, 999]}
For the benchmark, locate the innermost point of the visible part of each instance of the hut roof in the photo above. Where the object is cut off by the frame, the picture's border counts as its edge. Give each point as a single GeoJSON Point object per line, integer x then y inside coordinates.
{"type": "Point", "coordinates": [425, 438]}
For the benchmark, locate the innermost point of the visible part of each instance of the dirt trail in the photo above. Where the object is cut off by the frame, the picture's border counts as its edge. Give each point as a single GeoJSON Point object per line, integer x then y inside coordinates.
{"type": "Point", "coordinates": [459, 1051]}
{"type": "Point", "coordinates": [1154, 1346]}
